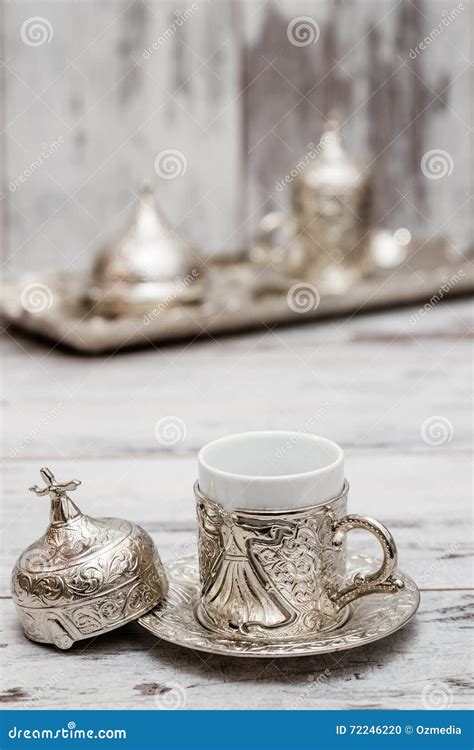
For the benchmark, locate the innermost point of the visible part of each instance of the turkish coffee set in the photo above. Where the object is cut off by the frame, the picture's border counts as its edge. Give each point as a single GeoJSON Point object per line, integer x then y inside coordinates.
{"type": "Point", "coordinates": [272, 576]}
{"type": "Point", "coordinates": [323, 258]}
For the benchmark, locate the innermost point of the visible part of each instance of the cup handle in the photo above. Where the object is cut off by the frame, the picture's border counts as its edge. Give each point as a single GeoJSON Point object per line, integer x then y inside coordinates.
{"type": "Point", "coordinates": [382, 581]}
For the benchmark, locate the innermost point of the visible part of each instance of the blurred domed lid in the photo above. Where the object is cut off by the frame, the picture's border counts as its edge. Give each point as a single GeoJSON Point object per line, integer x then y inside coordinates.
{"type": "Point", "coordinates": [329, 163]}
{"type": "Point", "coordinates": [148, 250]}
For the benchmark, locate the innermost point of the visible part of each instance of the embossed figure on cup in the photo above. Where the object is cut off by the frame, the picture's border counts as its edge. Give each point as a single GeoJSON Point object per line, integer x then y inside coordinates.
{"type": "Point", "coordinates": [235, 582]}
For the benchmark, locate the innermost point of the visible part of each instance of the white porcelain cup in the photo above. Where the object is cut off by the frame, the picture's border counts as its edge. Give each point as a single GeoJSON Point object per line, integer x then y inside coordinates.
{"type": "Point", "coordinates": [271, 470]}
{"type": "Point", "coordinates": [272, 516]}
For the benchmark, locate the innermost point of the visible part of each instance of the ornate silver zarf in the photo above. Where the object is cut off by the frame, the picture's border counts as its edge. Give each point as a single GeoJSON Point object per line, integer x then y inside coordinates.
{"type": "Point", "coordinates": [331, 203]}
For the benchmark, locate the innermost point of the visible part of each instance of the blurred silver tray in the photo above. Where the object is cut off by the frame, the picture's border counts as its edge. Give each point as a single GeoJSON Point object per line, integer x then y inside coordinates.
{"type": "Point", "coordinates": [242, 296]}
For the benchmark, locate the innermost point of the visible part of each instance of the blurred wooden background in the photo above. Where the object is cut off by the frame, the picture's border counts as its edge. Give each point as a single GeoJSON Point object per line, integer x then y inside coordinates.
{"type": "Point", "coordinates": [229, 91]}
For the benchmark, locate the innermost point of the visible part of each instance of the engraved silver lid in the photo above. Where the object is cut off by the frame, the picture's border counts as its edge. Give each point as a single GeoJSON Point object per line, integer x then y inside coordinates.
{"type": "Point", "coordinates": [147, 264]}
{"type": "Point", "coordinates": [84, 576]}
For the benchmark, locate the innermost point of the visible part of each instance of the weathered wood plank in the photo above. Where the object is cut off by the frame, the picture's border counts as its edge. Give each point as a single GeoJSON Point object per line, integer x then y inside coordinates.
{"type": "Point", "coordinates": [115, 105]}
{"type": "Point", "coordinates": [355, 59]}
{"type": "Point", "coordinates": [384, 377]}
{"type": "Point", "coordinates": [406, 670]}
{"type": "Point", "coordinates": [228, 90]}
{"type": "Point", "coordinates": [368, 383]}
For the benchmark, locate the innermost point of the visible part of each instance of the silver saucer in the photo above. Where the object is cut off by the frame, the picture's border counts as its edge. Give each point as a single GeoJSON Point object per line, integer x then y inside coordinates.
{"type": "Point", "coordinates": [371, 618]}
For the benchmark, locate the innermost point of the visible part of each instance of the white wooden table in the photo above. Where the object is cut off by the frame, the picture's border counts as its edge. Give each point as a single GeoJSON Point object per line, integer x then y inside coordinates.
{"type": "Point", "coordinates": [372, 381]}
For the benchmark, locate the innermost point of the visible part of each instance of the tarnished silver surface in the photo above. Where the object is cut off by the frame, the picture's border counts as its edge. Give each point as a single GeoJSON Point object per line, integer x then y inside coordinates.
{"type": "Point", "coordinates": [52, 305]}
{"type": "Point", "coordinates": [371, 618]}
{"type": "Point", "coordinates": [283, 571]}
{"type": "Point", "coordinates": [147, 265]}
{"type": "Point", "coordinates": [84, 576]}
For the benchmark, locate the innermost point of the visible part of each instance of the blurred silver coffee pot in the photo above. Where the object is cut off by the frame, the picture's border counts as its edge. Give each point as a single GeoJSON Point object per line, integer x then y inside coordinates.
{"type": "Point", "coordinates": [327, 236]}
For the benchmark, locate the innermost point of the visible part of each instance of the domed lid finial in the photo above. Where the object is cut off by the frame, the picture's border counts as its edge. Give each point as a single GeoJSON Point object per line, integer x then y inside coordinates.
{"type": "Point", "coordinates": [62, 507]}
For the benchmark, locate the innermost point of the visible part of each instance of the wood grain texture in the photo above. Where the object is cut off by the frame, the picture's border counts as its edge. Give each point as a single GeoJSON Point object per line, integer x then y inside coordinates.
{"type": "Point", "coordinates": [365, 392]}
{"type": "Point", "coordinates": [230, 91]}
{"type": "Point", "coordinates": [241, 103]}
{"type": "Point", "coordinates": [115, 109]}
{"type": "Point", "coordinates": [381, 376]}
{"type": "Point", "coordinates": [393, 108]}
{"type": "Point", "coordinates": [130, 668]}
